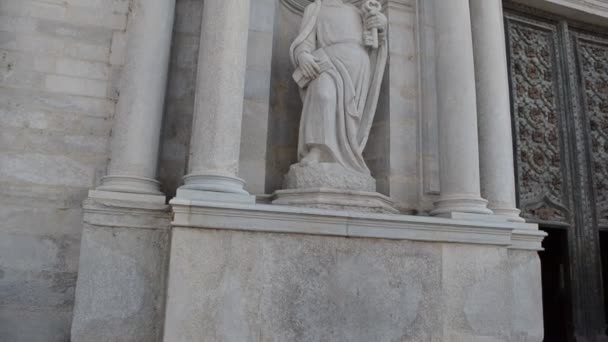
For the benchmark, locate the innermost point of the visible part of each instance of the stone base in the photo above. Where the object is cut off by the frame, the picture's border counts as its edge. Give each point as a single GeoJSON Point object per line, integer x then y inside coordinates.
{"type": "Point", "coordinates": [511, 214]}
{"type": "Point", "coordinates": [122, 269]}
{"type": "Point", "coordinates": [323, 198]}
{"type": "Point", "coordinates": [215, 197]}
{"type": "Point", "coordinates": [130, 184]}
{"type": "Point", "coordinates": [327, 175]}
{"type": "Point", "coordinates": [227, 285]}
{"type": "Point", "coordinates": [445, 206]}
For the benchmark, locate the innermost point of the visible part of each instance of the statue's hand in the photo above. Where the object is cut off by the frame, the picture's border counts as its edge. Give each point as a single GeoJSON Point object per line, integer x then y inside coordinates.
{"type": "Point", "coordinates": [309, 65]}
{"type": "Point", "coordinates": [376, 21]}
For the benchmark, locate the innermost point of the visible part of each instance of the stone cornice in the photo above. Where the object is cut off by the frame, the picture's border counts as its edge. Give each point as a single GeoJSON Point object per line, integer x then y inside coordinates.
{"type": "Point", "coordinates": [587, 12]}
{"type": "Point", "coordinates": [121, 210]}
{"type": "Point", "coordinates": [283, 219]}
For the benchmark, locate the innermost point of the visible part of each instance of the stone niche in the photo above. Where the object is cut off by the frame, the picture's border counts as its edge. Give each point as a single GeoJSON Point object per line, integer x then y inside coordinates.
{"type": "Point", "coordinates": [278, 273]}
{"type": "Point", "coordinates": [272, 107]}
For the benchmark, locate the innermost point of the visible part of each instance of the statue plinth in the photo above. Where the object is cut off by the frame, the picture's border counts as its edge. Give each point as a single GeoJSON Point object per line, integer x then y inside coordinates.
{"type": "Point", "coordinates": [332, 186]}
{"type": "Point", "coordinates": [327, 175]}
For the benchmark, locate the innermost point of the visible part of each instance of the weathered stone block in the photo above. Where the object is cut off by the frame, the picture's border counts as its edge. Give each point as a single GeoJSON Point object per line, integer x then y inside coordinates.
{"type": "Point", "coordinates": [237, 286]}
{"type": "Point", "coordinates": [230, 285]}
{"type": "Point", "coordinates": [119, 293]}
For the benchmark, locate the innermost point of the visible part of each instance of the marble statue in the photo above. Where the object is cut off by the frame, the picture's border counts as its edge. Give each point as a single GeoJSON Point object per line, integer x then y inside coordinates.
{"type": "Point", "coordinates": [340, 56]}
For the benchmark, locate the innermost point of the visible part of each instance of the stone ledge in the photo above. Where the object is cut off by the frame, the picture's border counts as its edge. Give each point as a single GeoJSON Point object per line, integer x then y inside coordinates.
{"type": "Point", "coordinates": [283, 219]}
{"type": "Point", "coordinates": [108, 209]}
{"type": "Point", "coordinates": [590, 12]}
{"type": "Point", "coordinates": [527, 239]}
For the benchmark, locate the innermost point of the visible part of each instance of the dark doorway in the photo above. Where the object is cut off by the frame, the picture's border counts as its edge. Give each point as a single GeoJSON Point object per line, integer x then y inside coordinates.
{"type": "Point", "coordinates": [558, 78]}
{"type": "Point", "coordinates": [604, 249]}
{"type": "Point", "coordinates": [555, 280]}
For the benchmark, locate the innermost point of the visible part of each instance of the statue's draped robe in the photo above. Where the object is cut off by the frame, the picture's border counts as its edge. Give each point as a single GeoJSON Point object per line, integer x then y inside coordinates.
{"type": "Point", "coordinates": [339, 105]}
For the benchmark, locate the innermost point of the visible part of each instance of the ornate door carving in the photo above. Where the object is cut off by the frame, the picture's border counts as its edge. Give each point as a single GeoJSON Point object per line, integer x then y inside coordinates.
{"type": "Point", "coordinates": [539, 121]}
{"type": "Point", "coordinates": [559, 90]}
{"type": "Point", "coordinates": [593, 71]}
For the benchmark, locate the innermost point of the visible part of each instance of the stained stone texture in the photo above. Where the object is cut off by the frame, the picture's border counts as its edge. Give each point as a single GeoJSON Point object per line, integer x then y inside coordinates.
{"type": "Point", "coordinates": [476, 289]}
{"type": "Point", "coordinates": [122, 272]}
{"type": "Point", "coordinates": [275, 287]}
{"type": "Point", "coordinates": [239, 286]}
{"type": "Point", "coordinates": [118, 302]}
{"type": "Point", "coordinates": [327, 175]}
{"type": "Point", "coordinates": [526, 300]}
{"type": "Point", "coordinates": [59, 65]}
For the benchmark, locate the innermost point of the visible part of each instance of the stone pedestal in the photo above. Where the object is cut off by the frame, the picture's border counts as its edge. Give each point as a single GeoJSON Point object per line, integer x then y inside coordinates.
{"type": "Point", "coordinates": [335, 199]}
{"type": "Point", "coordinates": [332, 186]}
{"type": "Point", "coordinates": [327, 175]}
{"type": "Point", "coordinates": [294, 274]}
{"type": "Point", "coordinates": [122, 268]}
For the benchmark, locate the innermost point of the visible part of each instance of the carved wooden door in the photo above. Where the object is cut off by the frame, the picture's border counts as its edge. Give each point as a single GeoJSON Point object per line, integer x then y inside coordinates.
{"type": "Point", "coordinates": [559, 95]}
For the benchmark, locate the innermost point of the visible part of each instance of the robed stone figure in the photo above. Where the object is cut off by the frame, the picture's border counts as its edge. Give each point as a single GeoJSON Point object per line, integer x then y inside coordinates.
{"type": "Point", "coordinates": [339, 74]}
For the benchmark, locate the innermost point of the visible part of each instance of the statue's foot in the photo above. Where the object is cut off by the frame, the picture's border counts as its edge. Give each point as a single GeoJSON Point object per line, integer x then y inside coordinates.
{"type": "Point", "coordinates": [313, 157]}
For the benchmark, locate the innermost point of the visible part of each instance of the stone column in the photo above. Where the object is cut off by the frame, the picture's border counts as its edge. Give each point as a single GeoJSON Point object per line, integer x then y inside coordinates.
{"type": "Point", "coordinates": [493, 108]}
{"type": "Point", "coordinates": [458, 144]}
{"type": "Point", "coordinates": [139, 111]}
{"type": "Point", "coordinates": [218, 112]}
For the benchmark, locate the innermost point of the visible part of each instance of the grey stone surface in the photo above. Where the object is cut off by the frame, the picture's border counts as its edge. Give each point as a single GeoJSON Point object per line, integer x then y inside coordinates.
{"type": "Point", "coordinates": [122, 272]}
{"type": "Point", "coordinates": [400, 175]}
{"type": "Point", "coordinates": [476, 296]}
{"type": "Point", "coordinates": [120, 285]}
{"type": "Point", "coordinates": [235, 286]}
{"type": "Point", "coordinates": [526, 299]}
{"type": "Point", "coordinates": [56, 106]}
{"type": "Point", "coordinates": [327, 175]}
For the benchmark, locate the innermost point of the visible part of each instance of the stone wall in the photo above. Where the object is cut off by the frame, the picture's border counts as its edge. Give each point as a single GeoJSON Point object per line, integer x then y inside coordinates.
{"type": "Point", "coordinates": [59, 62]}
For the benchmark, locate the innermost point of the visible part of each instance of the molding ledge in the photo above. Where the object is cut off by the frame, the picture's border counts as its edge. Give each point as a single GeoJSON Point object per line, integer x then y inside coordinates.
{"type": "Point", "coordinates": [298, 6]}
{"type": "Point", "coordinates": [593, 12]}
{"type": "Point", "coordinates": [283, 219]}
{"type": "Point", "coordinates": [122, 210]}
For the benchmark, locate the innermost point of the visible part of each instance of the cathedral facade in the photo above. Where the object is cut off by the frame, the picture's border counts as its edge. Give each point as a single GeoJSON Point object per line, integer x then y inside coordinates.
{"type": "Point", "coordinates": [303, 170]}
